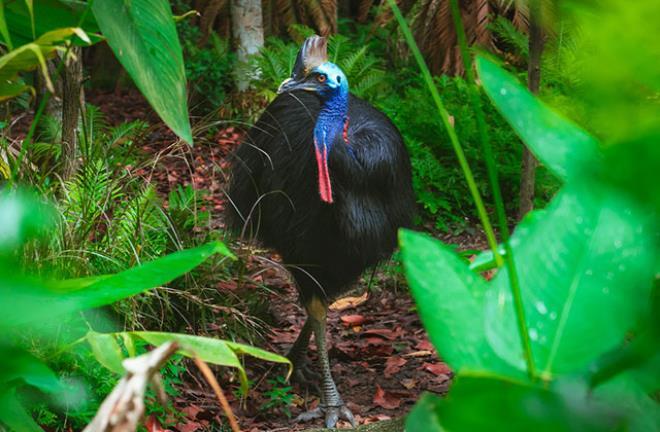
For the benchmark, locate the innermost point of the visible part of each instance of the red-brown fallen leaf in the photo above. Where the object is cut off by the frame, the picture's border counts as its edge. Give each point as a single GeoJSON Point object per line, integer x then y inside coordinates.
{"type": "Point", "coordinates": [191, 411]}
{"type": "Point", "coordinates": [376, 418]}
{"type": "Point", "coordinates": [386, 333]}
{"type": "Point", "coordinates": [393, 365]}
{"type": "Point", "coordinates": [385, 399]}
{"type": "Point", "coordinates": [352, 320]}
{"type": "Point", "coordinates": [437, 368]}
{"type": "Point", "coordinates": [153, 425]}
{"type": "Point", "coordinates": [424, 345]}
{"type": "Point", "coordinates": [189, 427]}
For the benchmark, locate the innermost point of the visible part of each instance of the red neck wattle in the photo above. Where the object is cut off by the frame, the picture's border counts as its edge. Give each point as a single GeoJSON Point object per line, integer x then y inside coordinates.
{"type": "Point", "coordinates": [325, 187]}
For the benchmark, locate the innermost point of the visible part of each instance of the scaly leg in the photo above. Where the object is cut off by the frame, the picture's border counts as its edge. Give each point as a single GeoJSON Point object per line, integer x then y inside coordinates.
{"type": "Point", "coordinates": [331, 403]}
{"type": "Point", "coordinates": [298, 356]}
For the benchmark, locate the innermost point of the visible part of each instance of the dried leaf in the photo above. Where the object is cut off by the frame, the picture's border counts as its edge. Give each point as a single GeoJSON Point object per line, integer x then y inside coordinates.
{"type": "Point", "coordinates": [385, 399]}
{"type": "Point", "coordinates": [348, 302]}
{"type": "Point", "coordinates": [393, 365]}
{"type": "Point", "coordinates": [352, 320]}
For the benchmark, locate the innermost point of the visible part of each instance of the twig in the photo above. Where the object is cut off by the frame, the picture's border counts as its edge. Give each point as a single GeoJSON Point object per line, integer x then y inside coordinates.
{"type": "Point", "coordinates": [210, 378]}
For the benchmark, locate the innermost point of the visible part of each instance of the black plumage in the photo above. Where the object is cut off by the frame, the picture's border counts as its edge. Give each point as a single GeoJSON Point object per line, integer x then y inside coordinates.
{"type": "Point", "coordinates": [274, 192]}
{"type": "Point", "coordinates": [324, 179]}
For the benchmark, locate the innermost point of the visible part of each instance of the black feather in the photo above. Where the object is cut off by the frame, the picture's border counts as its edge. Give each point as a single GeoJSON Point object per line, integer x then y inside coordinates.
{"type": "Point", "coordinates": [274, 192]}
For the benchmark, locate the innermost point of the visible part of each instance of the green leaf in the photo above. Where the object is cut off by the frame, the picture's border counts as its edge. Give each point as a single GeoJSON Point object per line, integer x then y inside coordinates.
{"type": "Point", "coordinates": [643, 412]}
{"type": "Point", "coordinates": [424, 415]}
{"type": "Point", "coordinates": [35, 299]}
{"type": "Point", "coordinates": [49, 15]}
{"type": "Point", "coordinates": [143, 36]}
{"type": "Point", "coordinates": [14, 415]}
{"type": "Point", "coordinates": [4, 31]}
{"type": "Point", "coordinates": [19, 365]}
{"type": "Point", "coordinates": [106, 350]}
{"type": "Point", "coordinates": [450, 300]}
{"type": "Point", "coordinates": [212, 350]}
{"type": "Point", "coordinates": [492, 403]}
{"type": "Point", "coordinates": [26, 58]}
{"type": "Point", "coordinates": [23, 216]}
{"type": "Point", "coordinates": [585, 270]}
{"type": "Point", "coordinates": [566, 149]}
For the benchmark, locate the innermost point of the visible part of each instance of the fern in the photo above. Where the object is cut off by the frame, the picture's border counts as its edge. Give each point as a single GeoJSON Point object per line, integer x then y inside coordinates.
{"type": "Point", "coordinates": [510, 36]}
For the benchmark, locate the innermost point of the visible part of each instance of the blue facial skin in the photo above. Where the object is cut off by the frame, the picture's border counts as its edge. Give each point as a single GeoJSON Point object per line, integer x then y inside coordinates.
{"type": "Point", "coordinates": [333, 115]}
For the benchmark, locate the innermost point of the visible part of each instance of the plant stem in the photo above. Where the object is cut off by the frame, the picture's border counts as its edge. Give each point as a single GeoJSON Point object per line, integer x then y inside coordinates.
{"type": "Point", "coordinates": [453, 138]}
{"type": "Point", "coordinates": [495, 185]}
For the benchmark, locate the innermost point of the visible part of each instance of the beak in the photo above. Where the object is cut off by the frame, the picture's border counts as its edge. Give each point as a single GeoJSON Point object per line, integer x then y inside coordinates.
{"type": "Point", "coordinates": [290, 84]}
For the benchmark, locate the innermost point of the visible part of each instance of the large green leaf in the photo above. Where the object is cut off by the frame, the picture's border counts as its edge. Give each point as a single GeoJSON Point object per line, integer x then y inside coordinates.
{"type": "Point", "coordinates": [624, 392]}
{"type": "Point", "coordinates": [566, 149]}
{"type": "Point", "coordinates": [424, 415]}
{"type": "Point", "coordinates": [49, 15]}
{"type": "Point", "coordinates": [143, 36]}
{"type": "Point", "coordinates": [17, 365]}
{"type": "Point", "coordinates": [23, 300]}
{"type": "Point", "coordinates": [14, 415]}
{"type": "Point", "coordinates": [492, 403]}
{"type": "Point", "coordinates": [215, 351]}
{"type": "Point", "coordinates": [585, 269]}
{"type": "Point", "coordinates": [450, 300]}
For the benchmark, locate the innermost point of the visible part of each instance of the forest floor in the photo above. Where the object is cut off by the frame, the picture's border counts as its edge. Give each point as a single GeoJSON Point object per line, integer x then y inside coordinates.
{"type": "Point", "coordinates": [381, 357]}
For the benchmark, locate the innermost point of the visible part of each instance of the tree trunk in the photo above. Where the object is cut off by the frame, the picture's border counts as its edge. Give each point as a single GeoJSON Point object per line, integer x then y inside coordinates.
{"type": "Point", "coordinates": [71, 105]}
{"type": "Point", "coordinates": [208, 18]}
{"type": "Point", "coordinates": [248, 31]}
{"type": "Point", "coordinates": [529, 162]}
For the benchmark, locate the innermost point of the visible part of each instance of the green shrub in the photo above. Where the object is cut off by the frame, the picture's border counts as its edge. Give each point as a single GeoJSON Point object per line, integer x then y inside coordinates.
{"type": "Point", "coordinates": [208, 68]}
{"type": "Point", "coordinates": [441, 190]}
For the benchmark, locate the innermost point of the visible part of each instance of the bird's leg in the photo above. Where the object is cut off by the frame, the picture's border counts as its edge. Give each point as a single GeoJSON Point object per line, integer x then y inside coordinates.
{"type": "Point", "coordinates": [331, 403]}
{"type": "Point", "coordinates": [298, 356]}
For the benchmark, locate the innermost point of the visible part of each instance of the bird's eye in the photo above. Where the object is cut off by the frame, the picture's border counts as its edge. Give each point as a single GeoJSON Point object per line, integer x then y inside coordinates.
{"type": "Point", "coordinates": [321, 78]}
{"type": "Point", "coordinates": [338, 79]}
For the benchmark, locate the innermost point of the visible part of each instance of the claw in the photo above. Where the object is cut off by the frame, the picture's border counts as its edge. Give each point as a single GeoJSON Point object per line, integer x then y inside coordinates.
{"type": "Point", "coordinates": [332, 415]}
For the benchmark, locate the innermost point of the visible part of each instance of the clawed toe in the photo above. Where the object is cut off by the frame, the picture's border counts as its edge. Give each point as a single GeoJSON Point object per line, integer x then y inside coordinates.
{"type": "Point", "coordinates": [332, 415]}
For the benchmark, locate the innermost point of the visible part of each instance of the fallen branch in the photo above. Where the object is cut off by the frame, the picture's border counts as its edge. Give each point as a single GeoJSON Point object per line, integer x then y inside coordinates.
{"type": "Point", "coordinates": [123, 409]}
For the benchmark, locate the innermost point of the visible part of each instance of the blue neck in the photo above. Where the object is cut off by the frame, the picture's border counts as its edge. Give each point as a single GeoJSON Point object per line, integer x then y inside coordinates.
{"type": "Point", "coordinates": [332, 118]}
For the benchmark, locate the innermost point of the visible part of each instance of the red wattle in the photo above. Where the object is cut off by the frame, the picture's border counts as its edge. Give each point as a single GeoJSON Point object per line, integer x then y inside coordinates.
{"type": "Point", "coordinates": [325, 188]}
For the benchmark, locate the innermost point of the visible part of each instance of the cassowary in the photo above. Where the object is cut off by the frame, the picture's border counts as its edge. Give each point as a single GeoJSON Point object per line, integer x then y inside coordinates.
{"type": "Point", "coordinates": [324, 179]}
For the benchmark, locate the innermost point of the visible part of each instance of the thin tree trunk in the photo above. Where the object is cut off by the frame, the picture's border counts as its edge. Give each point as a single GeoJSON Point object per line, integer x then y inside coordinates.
{"type": "Point", "coordinates": [248, 31]}
{"type": "Point", "coordinates": [71, 105]}
{"type": "Point", "coordinates": [529, 162]}
{"type": "Point", "coordinates": [208, 18]}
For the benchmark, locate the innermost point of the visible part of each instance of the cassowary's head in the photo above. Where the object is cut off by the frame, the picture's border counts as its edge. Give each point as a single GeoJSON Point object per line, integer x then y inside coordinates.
{"type": "Point", "coordinates": [314, 73]}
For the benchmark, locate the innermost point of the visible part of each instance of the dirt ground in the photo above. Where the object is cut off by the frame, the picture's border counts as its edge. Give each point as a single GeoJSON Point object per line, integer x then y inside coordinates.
{"type": "Point", "coordinates": [381, 357]}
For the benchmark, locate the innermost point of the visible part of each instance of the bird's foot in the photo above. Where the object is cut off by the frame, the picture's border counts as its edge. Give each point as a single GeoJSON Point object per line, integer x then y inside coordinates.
{"type": "Point", "coordinates": [304, 375]}
{"type": "Point", "coordinates": [332, 415]}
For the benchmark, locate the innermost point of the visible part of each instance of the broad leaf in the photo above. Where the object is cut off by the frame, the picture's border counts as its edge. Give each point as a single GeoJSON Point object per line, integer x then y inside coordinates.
{"type": "Point", "coordinates": [566, 149]}
{"type": "Point", "coordinates": [19, 365]}
{"type": "Point", "coordinates": [23, 300]}
{"type": "Point", "coordinates": [424, 415]}
{"type": "Point", "coordinates": [491, 403]}
{"type": "Point", "coordinates": [643, 412]}
{"type": "Point", "coordinates": [585, 270]}
{"type": "Point", "coordinates": [14, 415]}
{"type": "Point", "coordinates": [215, 351]}
{"type": "Point", "coordinates": [49, 15]}
{"type": "Point", "coordinates": [106, 350]}
{"type": "Point", "coordinates": [450, 300]}
{"type": "Point", "coordinates": [143, 36]}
